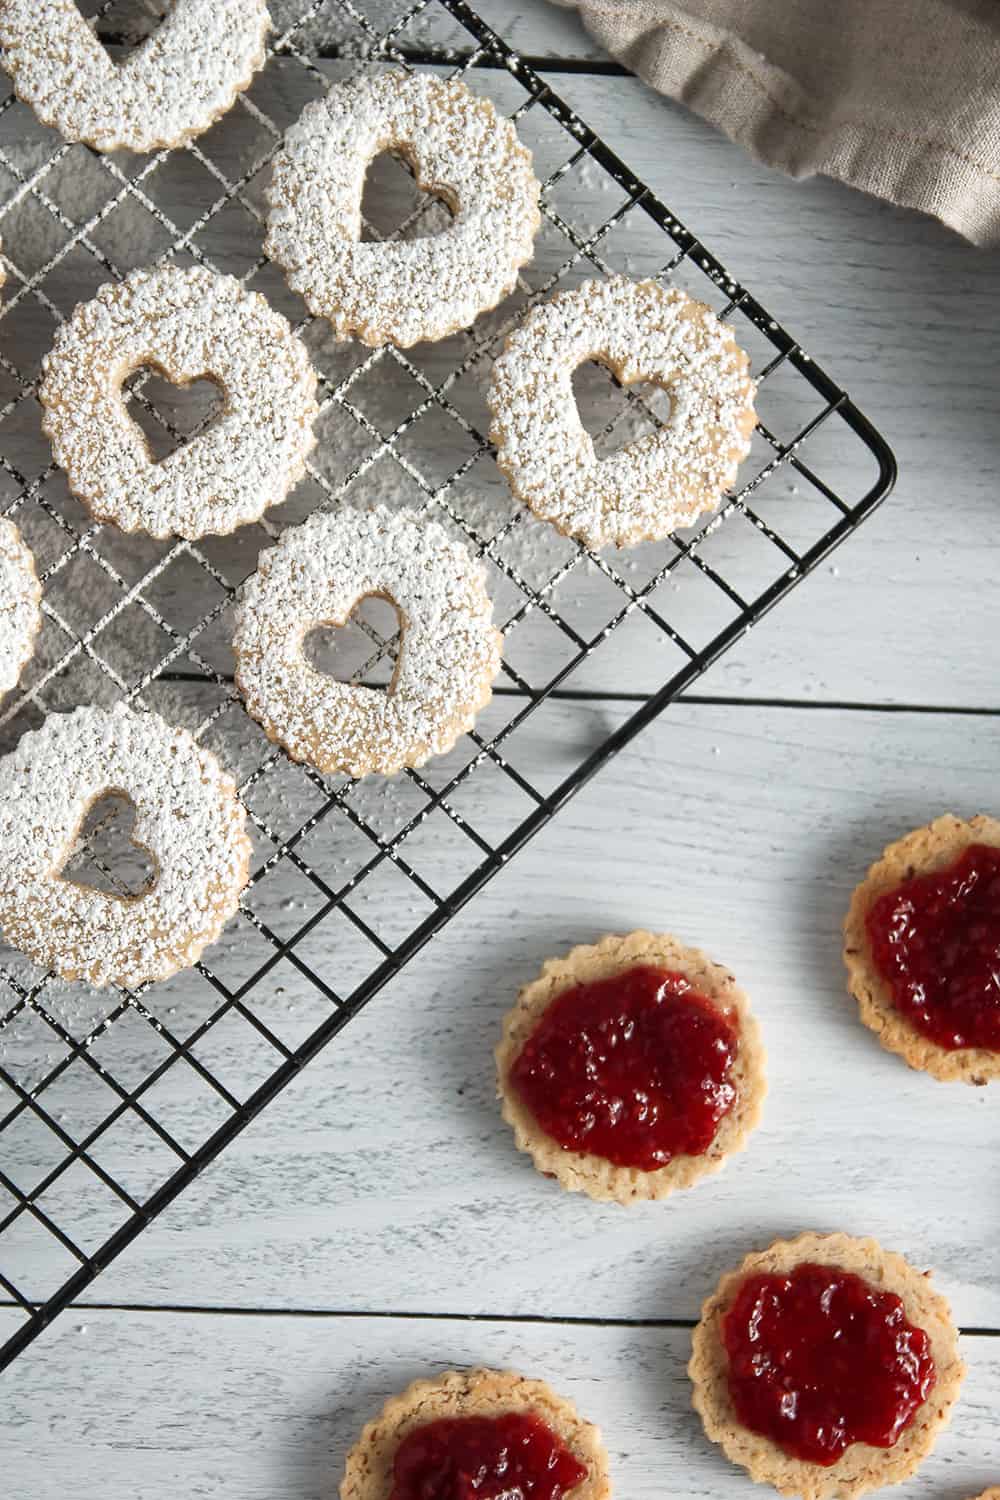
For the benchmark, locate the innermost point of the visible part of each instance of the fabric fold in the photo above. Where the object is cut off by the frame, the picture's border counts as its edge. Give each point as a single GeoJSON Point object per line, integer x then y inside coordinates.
{"type": "Point", "coordinates": [900, 100]}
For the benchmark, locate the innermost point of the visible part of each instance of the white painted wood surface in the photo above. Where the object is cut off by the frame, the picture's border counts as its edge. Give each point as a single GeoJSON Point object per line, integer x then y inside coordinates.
{"type": "Point", "coordinates": [383, 1181]}
{"type": "Point", "coordinates": [152, 1407]}
{"type": "Point", "coordinates": [385, 1168]}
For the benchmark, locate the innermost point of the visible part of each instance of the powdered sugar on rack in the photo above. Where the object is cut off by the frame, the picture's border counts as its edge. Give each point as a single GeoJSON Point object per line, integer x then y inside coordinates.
{"type": "Point", "coordinates": [190, 323]}
{"type": "Point", "coordinates": [448, 655]}
{"type": "Point", "coordinates": [460, 149]}
{"type": "Point", "coordinates": [20, 612]}
{"type": "Point", "coordinates": [171, 88]}
{"type": "Point", "coordinates": [187, 816]}
{"type": "Point", "coordinates": [641, 331]}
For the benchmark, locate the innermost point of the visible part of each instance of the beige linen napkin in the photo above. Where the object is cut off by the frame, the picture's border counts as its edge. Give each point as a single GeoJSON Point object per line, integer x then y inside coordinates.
{"type": "Point", "coordinates": [898, 97]}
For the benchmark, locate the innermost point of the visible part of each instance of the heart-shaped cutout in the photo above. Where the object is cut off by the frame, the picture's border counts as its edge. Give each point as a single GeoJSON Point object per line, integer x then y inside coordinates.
{"type": "Point", "coordinates": [123, 28]}
{"type": "Point", "coordinates": [606, 413]}
{"type": "Point", "coordinates": [364, 649]}
{"type": "Point", "coordinates": [106, 856]}
{"type": "Point", "coordinates": [169, 415]}
{"type": "Point", "coordinates": [393, 207]}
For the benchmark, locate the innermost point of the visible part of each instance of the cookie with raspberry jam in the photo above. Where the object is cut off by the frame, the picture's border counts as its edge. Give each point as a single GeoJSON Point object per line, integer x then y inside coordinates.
{"type": "Point", "coordinates": [825, 1366]}
{"type": "Point", "coordinates": [489, 1434]}
{"type": "Point", "coordinates": [922, 948]}
{"type": "Point", "coordinates": [631, 1067]}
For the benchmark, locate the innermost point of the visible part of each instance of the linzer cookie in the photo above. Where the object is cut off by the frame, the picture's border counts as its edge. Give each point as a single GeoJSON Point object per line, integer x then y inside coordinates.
{"type": "Point", "coordinates": [922, 948]}
{"type": "Point", "coordinates": [449, 651]}
{"type": "Point", "coordinates": [182, 79]}
{"type": "Point", "coordinates": [396, 291]}
{"type": "Point", "coordinates": [189, 323]}
{"type": "Point", "coordinates": [20, 605]}
{"type": "Point", "coordinates": [630, 1068]}
{"type": "Point", "coordinates": [640, 331]}
{"type": "Point", "coordinates": [187, 817]}
{"type": "Point", "coordinates": [825, 1366]}
{"type": "Point", "coordinates": [515, 1435]}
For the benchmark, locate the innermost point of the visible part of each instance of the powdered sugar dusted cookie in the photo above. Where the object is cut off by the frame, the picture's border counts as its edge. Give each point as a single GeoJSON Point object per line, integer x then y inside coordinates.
{"type": "Point", "coordinates": [460, 149]}
{"type": "Point", "coordinates": [189, 323]}
{"type": "Point", "coordinates": [825, 1366]}
{"type": "Point", "coordinates": [517, 1434]}
{"type": "Point", "coordinates": [631, 1067]}
{"type": "Point", "coordinates": [20, 605]}
{"type": "Point", "coordinates": [187, 817]}
{"type": "Point", "coordinates": [920, 944]}
{"type": "Point", "coordinates": [177, 83]}
{"type": "Point", "coordinates": [448, 656]}
{"type": "Point", "coordinates": [640, 331]}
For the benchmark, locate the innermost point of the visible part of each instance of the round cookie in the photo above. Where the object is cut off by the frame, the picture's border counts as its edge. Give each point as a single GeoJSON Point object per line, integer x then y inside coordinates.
{"type": "Point", "coordinates": [182, 79]}
{"type": "Point", "coordinates": [470, 1393]}
{"type": "Point", "coordinates": [861, 1467]}
{"type": "Point", "coordinates": [20, 605]}
{"type": "Point", "coordinates": [187, 816]}
{"type": "Point", "coordinates": [640, 331]}
{"type": "Point", "coordinates": [448, 656]}
{"type": "Point", "coordinates": [921, 852]}
{"type": "Point", "coordinates": [189, 323]}
{"type": "Point", "coordinates": [460, 149]}
{"type": "Point", "coordinates": [594, 1175]}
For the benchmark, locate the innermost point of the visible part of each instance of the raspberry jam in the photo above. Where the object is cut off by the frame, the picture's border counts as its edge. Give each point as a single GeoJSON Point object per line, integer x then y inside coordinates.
{"type": "Point", "coordinates": [935, 940]}
{"type": "Point", "coordinates": [478, 1458]}
{"type": "Point", "coordinates": [634, 1068]}
{"type": "Point", "coordinates": [819, 1359]}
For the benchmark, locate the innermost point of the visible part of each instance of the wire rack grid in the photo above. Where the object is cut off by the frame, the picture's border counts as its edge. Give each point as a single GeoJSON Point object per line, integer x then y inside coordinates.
{"type": "Point", "coordinates": [111, 1102]}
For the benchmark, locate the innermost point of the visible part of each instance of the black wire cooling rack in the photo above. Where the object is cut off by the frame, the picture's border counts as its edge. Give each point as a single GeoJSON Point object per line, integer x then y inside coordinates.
{"type": "Point", "coordinates": [98, 1131]}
